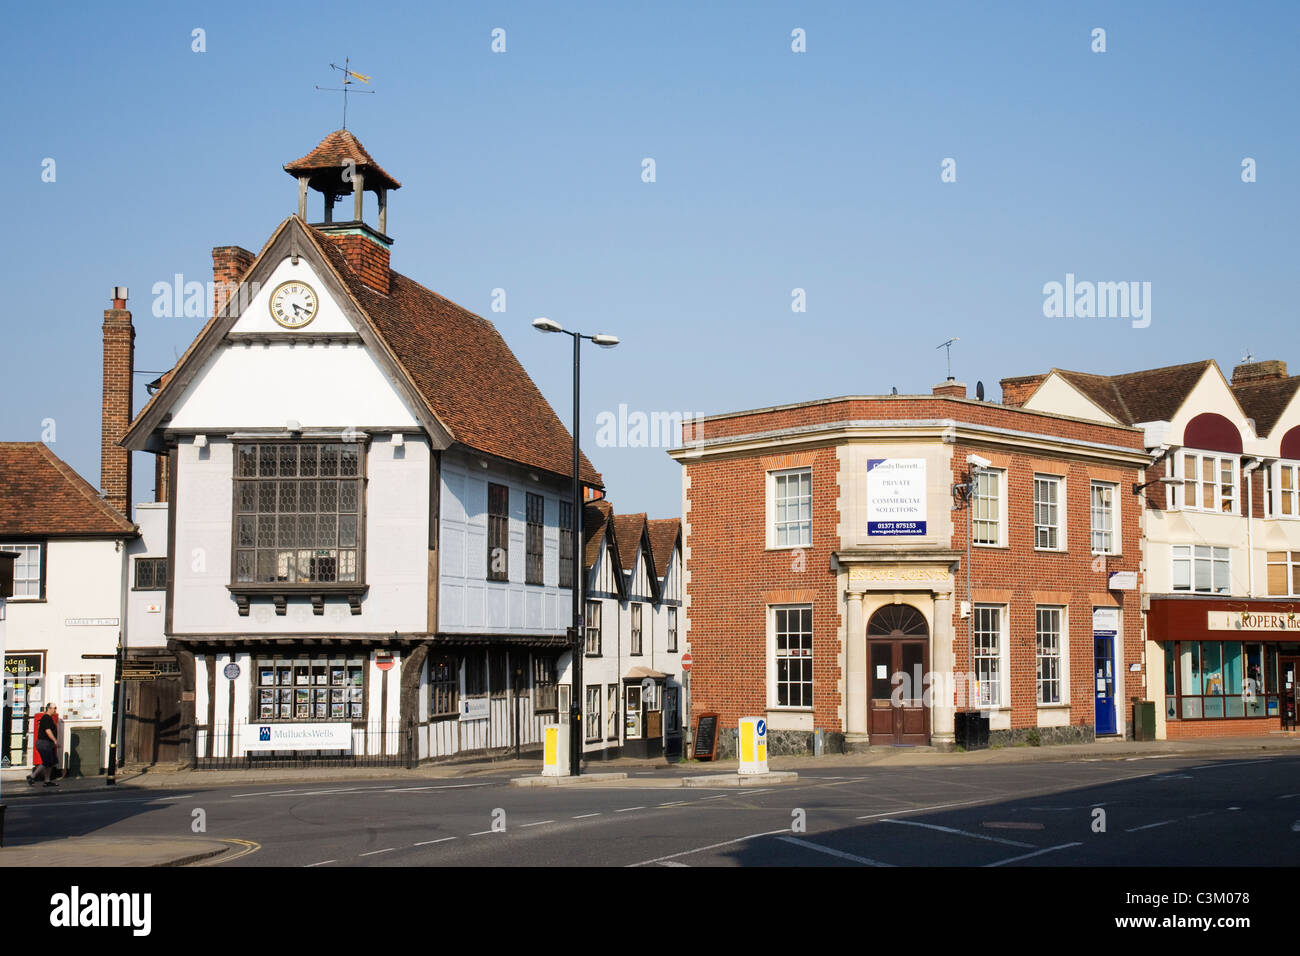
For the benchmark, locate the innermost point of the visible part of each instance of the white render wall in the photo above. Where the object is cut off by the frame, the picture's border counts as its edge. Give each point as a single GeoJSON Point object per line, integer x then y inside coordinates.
{"type": "Point", "coordinates": [264, 385]}
{"type": "Point", "coordinates": [468, 602]}
{"type": "Point", "coordinates": [146, 611]}
{"type": "Point", "coordinates": [83, 580]}
{"type": "Point", "coordinates": [396, 540]}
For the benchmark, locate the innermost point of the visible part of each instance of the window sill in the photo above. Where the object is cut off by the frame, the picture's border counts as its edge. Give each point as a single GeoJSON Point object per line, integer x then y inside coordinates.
{"type": "Point", "coordinates": [777, 708]}
{"type": "Point", "coordinates": [788, 547]}
{"type": "Point", "coordinates": [991, 547]}
{"type": "Point", "coordinates": [1061, 706]}
{"type": "Point", "coordinates": [25, 600]}
{"type": "Point", "coordinates": [1052, 550]}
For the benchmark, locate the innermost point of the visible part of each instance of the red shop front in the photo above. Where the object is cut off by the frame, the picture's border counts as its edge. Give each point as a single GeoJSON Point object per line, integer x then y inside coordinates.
{"type": "Point", "coordinates": [1231, 667]}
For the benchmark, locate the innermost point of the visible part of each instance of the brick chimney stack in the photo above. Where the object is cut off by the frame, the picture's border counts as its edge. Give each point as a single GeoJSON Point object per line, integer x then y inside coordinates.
{"type": "Point", "coordinates": [950, 388]}
{"type": "Point", "coordinates": [115, 413]}
{"type": "Point", "coordinates": [366, 256]}
{"type": "Point", "coordinates": [1016, 391]}
{"type": "Point", "coordinates": [1258, 371]}
{"type": "Point", "coordinates": [229, 266]}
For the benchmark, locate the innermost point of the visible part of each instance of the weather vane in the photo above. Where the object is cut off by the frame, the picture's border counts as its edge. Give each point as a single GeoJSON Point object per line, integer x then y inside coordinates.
{"type": "Point", "coordinates": [348, 76]}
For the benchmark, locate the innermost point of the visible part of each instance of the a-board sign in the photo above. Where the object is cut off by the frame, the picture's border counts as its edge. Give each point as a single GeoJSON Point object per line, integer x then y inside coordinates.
{"type": "Point", "coordinates": [706, 737]}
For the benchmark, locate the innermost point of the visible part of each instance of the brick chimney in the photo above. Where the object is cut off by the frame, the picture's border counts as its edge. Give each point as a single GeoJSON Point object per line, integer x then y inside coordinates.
{"type": "Point", "coordinates": [1016, 391]}
{"type": "Point", "coordinates": [951, 388]}
{"type": "Point", "coordinates": [1258, 372]}
{"type": "Point", "coordinates": [366, 256]}
{"type": "Point", "coordinates": [115, 414]}
{"type": "Point", "coordinates": [229, 266]}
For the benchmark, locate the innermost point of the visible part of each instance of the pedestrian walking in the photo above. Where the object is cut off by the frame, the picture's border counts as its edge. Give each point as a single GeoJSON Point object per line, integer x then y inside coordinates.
{"type": "Point", "coordinates": [47, 747]}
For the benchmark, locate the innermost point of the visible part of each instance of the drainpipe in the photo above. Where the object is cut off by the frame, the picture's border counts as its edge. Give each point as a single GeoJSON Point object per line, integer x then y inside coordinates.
{"type": "Point", "coordinates": [1250, 526]}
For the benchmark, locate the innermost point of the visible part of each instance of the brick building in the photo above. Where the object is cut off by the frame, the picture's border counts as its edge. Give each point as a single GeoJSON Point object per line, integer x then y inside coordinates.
{"type": "Point", "coordinates": [829, 584]}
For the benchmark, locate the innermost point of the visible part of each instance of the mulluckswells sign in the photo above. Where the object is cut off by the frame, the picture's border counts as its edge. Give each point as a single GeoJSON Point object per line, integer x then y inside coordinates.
{"type": "Point", "coordinates": [895, 497]}
{"type": "Point", "coordinates": [1253, 621]}
{"type": "Point", "coordinates": [328, 736]}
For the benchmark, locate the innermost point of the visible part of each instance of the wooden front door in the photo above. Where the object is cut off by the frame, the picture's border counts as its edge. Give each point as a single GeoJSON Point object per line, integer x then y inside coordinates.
{"type": "Point", "coordinates": [898, 658]}
{"type": "Point", "coordinates": [152, 709]}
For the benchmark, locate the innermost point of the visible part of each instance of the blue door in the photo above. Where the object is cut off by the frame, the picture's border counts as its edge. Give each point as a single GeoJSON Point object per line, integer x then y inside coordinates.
{"type": "Point", "coordinates": [1104, 672]}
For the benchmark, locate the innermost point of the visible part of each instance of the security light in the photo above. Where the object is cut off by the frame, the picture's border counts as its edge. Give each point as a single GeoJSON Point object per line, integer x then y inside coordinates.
{"type": "Point", "coordinates": [978, 461]}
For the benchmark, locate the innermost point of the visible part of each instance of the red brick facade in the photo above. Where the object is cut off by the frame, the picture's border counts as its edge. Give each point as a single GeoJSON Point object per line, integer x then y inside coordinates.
{"type": "Point", "coordinates": [733, 575]}
{"type": "Point", "coordinates": [733, 578]}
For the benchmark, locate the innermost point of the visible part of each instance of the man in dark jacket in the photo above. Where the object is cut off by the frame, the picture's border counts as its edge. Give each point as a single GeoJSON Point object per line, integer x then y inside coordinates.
{"type": "Point", "coordinates": [47, 747]}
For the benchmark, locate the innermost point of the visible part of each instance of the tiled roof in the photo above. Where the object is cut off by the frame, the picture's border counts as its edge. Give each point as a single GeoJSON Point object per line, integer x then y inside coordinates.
{"type": "Point", "coordinates": [40, 494]}
{"type": "Point", "coordinates": [333, 150]}
{"type": "Point", "coordinates": [466, 373]}
{"type": "Point", "coordinates": [458, 362]}
{"type": "Point", "coordinates": [629, 528]}
{"type": "Point", "coordinates": [664, 535]}
{"type": "Point", "coordinates": [1151, 395]}
{"type": "Point", "coordinates": [1265, 401]}
{"type": "Point", "coordinates": [595, 521]}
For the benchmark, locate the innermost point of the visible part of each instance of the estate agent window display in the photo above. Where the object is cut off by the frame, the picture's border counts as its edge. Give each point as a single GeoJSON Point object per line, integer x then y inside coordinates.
{"type": "Point", "coordinates": [318, 689]}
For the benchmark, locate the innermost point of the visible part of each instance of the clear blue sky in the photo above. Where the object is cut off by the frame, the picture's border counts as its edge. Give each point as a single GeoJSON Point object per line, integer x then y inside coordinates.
{"type": "Point", "coordinates": [775, 170]}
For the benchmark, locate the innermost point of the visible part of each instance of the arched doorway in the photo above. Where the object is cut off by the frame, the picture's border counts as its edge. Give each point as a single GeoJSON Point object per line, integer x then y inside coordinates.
{"type": "Point", "coordinates": [898, 652]}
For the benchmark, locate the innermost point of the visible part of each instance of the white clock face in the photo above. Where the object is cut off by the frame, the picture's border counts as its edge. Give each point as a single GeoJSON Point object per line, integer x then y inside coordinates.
{"type": "Point", "coordinates": [293, 304]}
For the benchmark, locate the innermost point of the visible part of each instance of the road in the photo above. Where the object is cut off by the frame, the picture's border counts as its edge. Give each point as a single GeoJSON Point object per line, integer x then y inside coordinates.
{"type": "Point", "coordinates": [1169, 811]}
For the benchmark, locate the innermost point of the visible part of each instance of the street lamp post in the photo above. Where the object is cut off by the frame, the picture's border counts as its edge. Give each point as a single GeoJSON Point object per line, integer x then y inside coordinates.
{"type": "Point", "coordinates": [579, 569]}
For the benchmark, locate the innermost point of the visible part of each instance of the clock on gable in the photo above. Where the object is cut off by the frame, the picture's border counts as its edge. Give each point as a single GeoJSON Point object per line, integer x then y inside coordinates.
{"type": "Point", "coordinates": [293, 304]}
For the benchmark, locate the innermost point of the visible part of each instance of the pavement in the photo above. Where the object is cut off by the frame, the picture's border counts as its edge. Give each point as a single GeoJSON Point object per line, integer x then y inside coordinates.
{"type": "Point", "coordinates": [148, 849]}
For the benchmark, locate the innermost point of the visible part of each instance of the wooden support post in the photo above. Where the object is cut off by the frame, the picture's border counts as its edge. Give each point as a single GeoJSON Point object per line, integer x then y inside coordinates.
{"type": "Point", "coordinates": [358, 191]}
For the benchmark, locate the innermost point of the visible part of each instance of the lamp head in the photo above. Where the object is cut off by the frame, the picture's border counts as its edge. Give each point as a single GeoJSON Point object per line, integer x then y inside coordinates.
{"type": "Point", "coordinates": [546, 325]}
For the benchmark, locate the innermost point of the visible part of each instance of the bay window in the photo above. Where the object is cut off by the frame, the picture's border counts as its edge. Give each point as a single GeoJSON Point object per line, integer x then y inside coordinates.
{"type": "Point", "coordinates": [298, 513]}
{"type": "Point", "coordinates": [1209, 482]}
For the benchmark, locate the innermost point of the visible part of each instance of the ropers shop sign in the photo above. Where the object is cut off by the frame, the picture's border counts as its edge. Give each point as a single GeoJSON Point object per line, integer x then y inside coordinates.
{"type": "Point", "coordinates": [1253, 621]}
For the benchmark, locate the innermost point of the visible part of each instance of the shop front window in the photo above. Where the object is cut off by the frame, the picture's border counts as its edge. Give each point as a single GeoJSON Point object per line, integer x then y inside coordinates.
{"type": "Point", "coordinates": [1220, 679]}
{"type": "Point", "coordinates": [312, 689]}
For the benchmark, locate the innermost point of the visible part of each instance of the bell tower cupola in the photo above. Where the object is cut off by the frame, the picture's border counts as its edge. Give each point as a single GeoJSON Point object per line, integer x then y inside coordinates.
{"type": "Point", "coordinates": [340, 167]}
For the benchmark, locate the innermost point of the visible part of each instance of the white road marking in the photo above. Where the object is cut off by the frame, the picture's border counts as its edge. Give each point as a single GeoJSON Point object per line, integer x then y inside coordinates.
{"type": "Point", "coordinates": [1025, 856]}
{"type": "Point", "coordinates": [583, 816]}
{"type": "Point", "coordinates": [718, 797]}
{"type": "Point", "coordinates": [1295, 827]}
{"type": "Point", "coordinates": [675, 803]}
{"type": "Point", "coordinates": [956, 832]}
{"type": "Point", "coordinates": [431, 842]}
{"type": "Point", "coordinates": [321, 863]}
{"type": "Point", "coordinates": [629, 809]}
{"type": "Point", "coordinates": [373, 852]}
{"type": "Point", "coordinates": [539, 823]}
{"type": "Point", "coordinates": [830, 852]}
{"type": "Point", "coordinates": [711, 846]}
{"type": "Point", "coordinates": [454, 786]}
{"type": "Point", "coordinates": [941, 806]}
{"type": "Point", "coordinates": [1288, 796]}
{"type": "Point", "coordinates": [1149, 826]}
{"type": "Point", "coordinates": [481, 832]}
{"type": "Point", "coordinates": [674, 863]}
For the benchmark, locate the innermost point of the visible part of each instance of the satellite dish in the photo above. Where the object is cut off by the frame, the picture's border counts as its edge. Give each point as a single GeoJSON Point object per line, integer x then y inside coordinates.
{"type": "Point", "coordinates": [979, 391]}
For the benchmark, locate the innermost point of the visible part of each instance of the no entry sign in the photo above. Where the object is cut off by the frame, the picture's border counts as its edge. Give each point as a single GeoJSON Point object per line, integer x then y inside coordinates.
{"type": "Point", "coordinates": [686, 663]}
